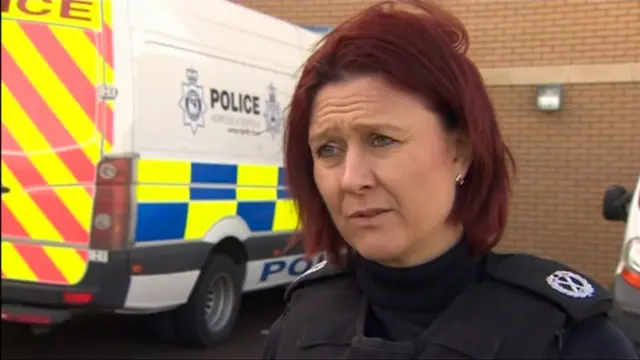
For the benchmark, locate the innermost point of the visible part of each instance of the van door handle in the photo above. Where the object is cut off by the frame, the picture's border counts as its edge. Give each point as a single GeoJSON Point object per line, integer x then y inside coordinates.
{"type": "Point", "coordinates": [5, 189]}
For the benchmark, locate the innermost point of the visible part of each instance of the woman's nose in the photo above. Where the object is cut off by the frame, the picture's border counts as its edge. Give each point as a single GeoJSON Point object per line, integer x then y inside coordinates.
{"type": "Point", "coordinates": [357, 174]}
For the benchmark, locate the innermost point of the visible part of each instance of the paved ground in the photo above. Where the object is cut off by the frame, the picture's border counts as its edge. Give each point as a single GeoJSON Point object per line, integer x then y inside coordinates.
{"type": "Point", "coordinates": [122, 337]}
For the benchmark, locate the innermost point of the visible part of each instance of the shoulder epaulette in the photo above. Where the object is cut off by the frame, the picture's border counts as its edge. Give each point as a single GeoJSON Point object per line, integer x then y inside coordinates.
{"type": "Point", "coordinates": [577, 294]}
{"type": "Point", "coordinates": [322, 270]}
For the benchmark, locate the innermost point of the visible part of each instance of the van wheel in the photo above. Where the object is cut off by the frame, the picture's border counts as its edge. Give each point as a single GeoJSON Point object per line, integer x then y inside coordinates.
{"type": "Point", "coordinates": [208, 318]}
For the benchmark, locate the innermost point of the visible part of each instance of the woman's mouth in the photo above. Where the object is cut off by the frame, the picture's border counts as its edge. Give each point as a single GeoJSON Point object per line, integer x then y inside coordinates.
{"type": "Point", "coordinates": [368, 213]}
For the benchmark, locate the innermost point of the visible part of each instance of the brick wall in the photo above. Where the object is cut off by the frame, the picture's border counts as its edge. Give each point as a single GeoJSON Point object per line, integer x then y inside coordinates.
{"type": "Point", "coordinates": [565, 160]}
{"type": "Point", "coordinates": [511, 32]}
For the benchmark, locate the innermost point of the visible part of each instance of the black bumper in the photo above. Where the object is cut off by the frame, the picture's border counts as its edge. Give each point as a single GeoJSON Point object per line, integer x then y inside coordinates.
{"type": "Point", "coordinates": [626, 312]}
{"type": "Point", "coordinates": [107, 282]}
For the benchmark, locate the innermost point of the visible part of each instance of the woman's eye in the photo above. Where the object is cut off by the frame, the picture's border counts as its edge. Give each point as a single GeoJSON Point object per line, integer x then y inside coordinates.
{"type": "Point", "coordinates": [327, 150]}
{"type": "Point", "coordinates": [381, 140]}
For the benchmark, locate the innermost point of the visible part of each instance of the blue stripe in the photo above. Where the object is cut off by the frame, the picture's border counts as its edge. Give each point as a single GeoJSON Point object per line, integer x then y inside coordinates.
{"type": "Point", "coordinates": [283, 194]}
{"type": "Point", "coordinates": [214, 173]}
{"type": "Point", "coordinates": [161, 221]}
{"type": "Point", "coordinates": [282, 177]}
{"type": "Point", "coordinates": [212, 194]}
{"type": "Point", "coordinates": [167, 221]}
{"type": "Point", "coordinates": [258, 215]}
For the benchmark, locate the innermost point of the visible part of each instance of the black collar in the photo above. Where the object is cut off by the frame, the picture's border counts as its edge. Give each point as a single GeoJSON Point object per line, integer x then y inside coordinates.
{"type": "Point", "coordinates": [425, 288]}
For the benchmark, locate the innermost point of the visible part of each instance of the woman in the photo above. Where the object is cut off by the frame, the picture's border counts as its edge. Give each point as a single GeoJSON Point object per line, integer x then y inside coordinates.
{"type": "Point", "coordinates": [393, 154]}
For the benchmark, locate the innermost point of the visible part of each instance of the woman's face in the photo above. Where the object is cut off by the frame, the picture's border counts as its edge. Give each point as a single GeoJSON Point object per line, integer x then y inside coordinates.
{"type": "Point", "coordinates": [386, 169]}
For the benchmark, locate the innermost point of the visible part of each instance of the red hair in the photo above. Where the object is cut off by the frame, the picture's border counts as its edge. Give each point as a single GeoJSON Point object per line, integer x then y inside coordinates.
{"type": "Point", "coordinates": [423, 52]}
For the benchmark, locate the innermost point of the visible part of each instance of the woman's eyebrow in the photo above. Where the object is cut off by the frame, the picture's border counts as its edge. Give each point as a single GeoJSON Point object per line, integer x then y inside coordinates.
{"type": "Point", "coordinates": [319, 131]}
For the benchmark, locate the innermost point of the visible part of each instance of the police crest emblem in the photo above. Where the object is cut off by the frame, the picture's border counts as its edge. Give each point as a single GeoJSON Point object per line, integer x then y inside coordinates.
{"type": "Point", "coordinates": [273, 113]}
{"type": "Point", "coordinates": [192, 102]}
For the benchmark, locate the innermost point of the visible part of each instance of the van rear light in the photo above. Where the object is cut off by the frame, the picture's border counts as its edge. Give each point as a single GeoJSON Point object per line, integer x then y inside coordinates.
{"type": "Point", "coordinates": [77, 298]}
{"type": "Point", "coordinates": [632, 254]}
{"type": "Point", "coordinates": [31, 319]}
{"type": "Point", "coordinates": [631, 272]}
{"type": "Point", "coordinates": [111, 219]}
{"type": "Point", "coordinates": [631, 278]}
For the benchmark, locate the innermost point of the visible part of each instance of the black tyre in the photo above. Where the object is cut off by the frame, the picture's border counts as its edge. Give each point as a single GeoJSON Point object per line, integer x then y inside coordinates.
{"type": "Point", "coordinates": [209, 317]}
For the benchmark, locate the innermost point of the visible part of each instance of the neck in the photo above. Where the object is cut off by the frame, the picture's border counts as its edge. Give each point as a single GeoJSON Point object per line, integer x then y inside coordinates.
{"type": "Point", "coordinates": [430, 248]}
{"type": "Point", "coordinates": [424, 288]}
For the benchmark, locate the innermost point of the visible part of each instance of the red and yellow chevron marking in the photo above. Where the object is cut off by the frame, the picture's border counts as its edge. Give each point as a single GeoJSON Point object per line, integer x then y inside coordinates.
{"type": "Point", "coordinates": [55, 129]}
{"type": "Point", "coordinates": [47, 264]}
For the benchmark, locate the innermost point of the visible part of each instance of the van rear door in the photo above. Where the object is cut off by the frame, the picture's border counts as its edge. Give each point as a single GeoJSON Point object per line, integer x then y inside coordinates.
{"type": "Point", "coordinates": [55, 129]}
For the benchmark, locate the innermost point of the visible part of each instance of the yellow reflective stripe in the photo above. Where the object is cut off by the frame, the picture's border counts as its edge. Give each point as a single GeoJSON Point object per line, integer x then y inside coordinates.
{"type": "Point", "coordinates": [68, 261]}
{"type": "Point", "coordinates": [14, 266]}
{"type": "Point", "coordinates": [107, 12]}
{"type": "Point", "coordinates": [107, 15]}
{"type": "Point", "coordinates": [257, 175]}
{"type": "Point", "coordinates": [162, 193]}
{"type": "Point", "coordinates": [256, 194]}
{"type": "Point", "coordinates": [254, 183]}
{"type": "Point", "coordinates": [285, 217]}
{"type": "Point", "coordinates": [45, 12]}
{"type": "Point", "coordinates": [85, 55]}
{"type": "Point", "coordinates": [82, 51]}
{"type": "Point", "coordinates": [78, 200]}
{"type": "Point", "coordinates": [202, 216]}
{"type": "Point", "coordinates": [44, 79]}
{"type": "Point", "coordinates": [48, 164]}
{"type": "Point", "coordinates": [164, 172]}
{"type": "Point", "coordinates": [108, 74]}
{"type": "Point", "coordinates": [26, 211]}
{"type": "Point", "coordinates": [21, 126]}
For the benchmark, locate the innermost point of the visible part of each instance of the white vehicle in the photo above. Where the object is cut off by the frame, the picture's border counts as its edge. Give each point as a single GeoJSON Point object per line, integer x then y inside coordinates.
{"type": "Point", "coordinates": [141, 160]}
{"type": "Point", "coordinates": [621, 205]}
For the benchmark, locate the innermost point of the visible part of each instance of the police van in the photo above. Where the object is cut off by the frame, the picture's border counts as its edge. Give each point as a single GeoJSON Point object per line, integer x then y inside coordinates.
{"type": "Point", "coordinates": [622, 205]}
{"type": "Point", "coordinates": [141, 160]}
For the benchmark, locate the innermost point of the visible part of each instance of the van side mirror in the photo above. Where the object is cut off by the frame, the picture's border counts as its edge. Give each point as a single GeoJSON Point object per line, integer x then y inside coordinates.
{"type": "Point", "coordinates": [615, 204]}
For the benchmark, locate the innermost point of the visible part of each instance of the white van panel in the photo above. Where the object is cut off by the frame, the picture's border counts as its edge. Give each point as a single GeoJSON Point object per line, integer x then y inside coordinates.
{"type": "Point", "coordinates": [204, 107]}
{"type": "Point", "coordinates": [230, 29]}
{"type": "Point", "coordinates": [633, 223]}
{"type": "Point", "coordinates": [202, 29]}
{"type": "Point", "coordinates": [123, 78]}
{"type": "Point", "coordinates": [632, 227]}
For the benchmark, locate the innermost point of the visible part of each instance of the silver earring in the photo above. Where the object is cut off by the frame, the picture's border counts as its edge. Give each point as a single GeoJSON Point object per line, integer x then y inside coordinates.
{"type": "Point", "coordinates": [459, 179]}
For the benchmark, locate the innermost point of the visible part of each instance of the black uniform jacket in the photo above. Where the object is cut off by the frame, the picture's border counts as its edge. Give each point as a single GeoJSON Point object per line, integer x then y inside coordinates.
{"type": "Point", "coordinates": [501, 306]}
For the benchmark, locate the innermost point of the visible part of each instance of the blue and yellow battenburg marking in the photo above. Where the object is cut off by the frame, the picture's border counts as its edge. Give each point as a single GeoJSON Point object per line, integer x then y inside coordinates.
{"type": "Point", "coordinates": [183, 200]}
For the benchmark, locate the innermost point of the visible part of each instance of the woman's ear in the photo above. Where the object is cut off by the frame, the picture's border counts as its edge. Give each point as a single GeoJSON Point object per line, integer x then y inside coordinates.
{"type": "Point", "coordinates": [462, 153]}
